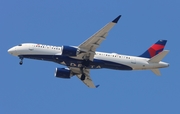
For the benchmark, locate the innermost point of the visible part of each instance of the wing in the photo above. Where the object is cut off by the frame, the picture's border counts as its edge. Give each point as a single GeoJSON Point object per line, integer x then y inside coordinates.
{"type": "Point", "coordinates": [87, 52]}
{"type": "Point", "coordinates": [85, 78]}
{"type": "Point", "coordinates": [89, 46]}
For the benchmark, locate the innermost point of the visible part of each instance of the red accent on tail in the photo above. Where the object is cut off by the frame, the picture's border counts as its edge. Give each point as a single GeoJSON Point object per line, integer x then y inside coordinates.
{"type": "Point", "coordinates": [153, 49]}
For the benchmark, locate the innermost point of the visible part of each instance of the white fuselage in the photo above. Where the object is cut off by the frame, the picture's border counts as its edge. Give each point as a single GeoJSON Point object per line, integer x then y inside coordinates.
{"type": "Point", "coordinates": [136, 63]}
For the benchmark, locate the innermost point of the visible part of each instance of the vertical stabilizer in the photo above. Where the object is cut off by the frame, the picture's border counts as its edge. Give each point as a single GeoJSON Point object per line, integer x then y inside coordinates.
{"type": "Point", "coordinates": [154, 49]}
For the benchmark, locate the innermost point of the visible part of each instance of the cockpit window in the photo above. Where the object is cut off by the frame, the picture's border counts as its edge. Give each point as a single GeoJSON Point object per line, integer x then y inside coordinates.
{"type": "Point", "coordinates": [20, 45]}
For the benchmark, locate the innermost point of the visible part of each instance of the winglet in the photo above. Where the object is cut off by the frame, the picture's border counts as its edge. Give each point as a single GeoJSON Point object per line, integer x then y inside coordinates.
{"type": "Point", "coordinates": [97, 86]}
{"type": "Point", "coordinates": [116, 19]}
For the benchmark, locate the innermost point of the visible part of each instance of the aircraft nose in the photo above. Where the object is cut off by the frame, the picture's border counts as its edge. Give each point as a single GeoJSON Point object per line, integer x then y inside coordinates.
{"type": "Point", "coordinates": [12, 50]}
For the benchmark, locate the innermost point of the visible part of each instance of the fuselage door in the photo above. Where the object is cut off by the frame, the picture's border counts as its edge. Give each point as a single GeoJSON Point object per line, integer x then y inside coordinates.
{"type": "Point", "coordinates": [31, 48]}
{"type": "Point", "coordinates": [133, 60]}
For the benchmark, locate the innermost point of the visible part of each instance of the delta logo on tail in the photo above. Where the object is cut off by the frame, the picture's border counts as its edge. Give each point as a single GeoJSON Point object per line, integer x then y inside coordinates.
{"type": "Point", "coordinates": [154, 49]}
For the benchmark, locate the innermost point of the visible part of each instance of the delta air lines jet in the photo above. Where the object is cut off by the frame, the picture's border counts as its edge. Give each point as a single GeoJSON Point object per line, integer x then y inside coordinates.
{"type": "Point", "coordinates": [80, 59]}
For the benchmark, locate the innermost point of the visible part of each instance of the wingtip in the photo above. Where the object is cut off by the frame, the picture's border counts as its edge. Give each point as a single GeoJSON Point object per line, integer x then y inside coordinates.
{"type": "Point", "coordinates": [116, 19]}
{"type": "Point", "coordinates": [97, 86]}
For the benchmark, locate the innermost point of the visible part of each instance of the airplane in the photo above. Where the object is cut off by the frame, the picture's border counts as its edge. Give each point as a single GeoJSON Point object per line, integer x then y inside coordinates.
{"type": "Point", "coordinates": [80, 59]}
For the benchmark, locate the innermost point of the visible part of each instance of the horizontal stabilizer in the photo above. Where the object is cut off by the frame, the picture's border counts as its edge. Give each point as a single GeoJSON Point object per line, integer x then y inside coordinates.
{"type": "Point", "coordinates": [156, 71]}
{"type": "Point", "coordinates": [159, 56]}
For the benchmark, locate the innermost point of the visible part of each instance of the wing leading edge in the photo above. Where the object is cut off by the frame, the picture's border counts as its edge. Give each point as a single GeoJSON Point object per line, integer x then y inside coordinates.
{"type": "Point", "coordinates": [92, 43]}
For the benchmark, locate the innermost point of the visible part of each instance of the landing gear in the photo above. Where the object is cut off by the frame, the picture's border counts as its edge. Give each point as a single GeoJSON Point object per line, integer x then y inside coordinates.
{"type": "Point", "coordinates": [83, 77]}
{"type": "Point", "coordinates": [21, 61]}
{"type": "Point", "coordinates": [86, 63]}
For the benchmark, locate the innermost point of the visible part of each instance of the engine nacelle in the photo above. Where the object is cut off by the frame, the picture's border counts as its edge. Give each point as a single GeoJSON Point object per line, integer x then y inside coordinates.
{"type": "Point", "coordinates": [63, 73]}
{"type": "Point", "coordinates": [69, 51]}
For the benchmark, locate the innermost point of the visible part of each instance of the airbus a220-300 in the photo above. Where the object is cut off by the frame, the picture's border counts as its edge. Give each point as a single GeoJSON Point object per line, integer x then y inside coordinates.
{"type": "Point", "coordinates": [81, 59]}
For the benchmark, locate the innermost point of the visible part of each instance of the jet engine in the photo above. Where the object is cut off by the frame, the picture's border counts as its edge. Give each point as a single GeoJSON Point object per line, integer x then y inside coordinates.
{"type": "Point", "coordinates": [70, 51]}
{"type": "Point", "coordinates": [63, 73]}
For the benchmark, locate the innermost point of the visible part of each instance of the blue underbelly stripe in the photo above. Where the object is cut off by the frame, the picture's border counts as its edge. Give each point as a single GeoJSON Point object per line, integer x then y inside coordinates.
{"type": "Point", "coordinates": [67, 61]}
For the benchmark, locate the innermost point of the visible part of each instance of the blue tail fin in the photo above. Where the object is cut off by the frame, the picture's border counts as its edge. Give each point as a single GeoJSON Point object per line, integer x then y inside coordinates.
{"type": "Point", "coordinates": [154, 49]}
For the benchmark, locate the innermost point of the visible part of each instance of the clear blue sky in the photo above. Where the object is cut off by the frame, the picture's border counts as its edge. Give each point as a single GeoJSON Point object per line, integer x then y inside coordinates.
{"type": "Point", "coordinates": [32, 87]}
